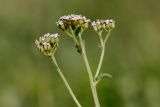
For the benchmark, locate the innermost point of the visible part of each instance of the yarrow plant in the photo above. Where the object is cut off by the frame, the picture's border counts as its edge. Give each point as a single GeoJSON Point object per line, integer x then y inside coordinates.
{"type": "Point", "coordinates": [73, 26]}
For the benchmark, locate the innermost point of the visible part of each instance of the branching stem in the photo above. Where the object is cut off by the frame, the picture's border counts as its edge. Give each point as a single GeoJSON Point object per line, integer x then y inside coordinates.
{"type": "Point", "coordinates": [92, 83]}
{"type": "Point", "coordinates": [103, 43]}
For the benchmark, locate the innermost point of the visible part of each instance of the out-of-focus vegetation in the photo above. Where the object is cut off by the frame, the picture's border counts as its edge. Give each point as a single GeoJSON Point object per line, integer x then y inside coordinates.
{"type": "Point", "coordinates": [28, 79]}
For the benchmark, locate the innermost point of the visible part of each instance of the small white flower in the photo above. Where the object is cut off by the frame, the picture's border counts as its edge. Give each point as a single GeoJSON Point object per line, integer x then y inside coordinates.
{"type": "Point", "coordinates": [46, 35]}
{"type": "Point", "coordinates": [54, 35]}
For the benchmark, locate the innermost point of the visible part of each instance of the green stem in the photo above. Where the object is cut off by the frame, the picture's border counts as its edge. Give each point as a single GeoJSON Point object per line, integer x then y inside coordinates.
{"type": "Point", "coordinates": [73, 37]}
{"type": "Point", "coordinates": [108, 34]}
{"type": "Point", "coordinates": [92, 83]}
{"type": "Point", "coordinates": [103, 43]}
{"type": "Point", "coordinates": [101, 57]}
{"type": "Point", "coordinates": [65, 81]}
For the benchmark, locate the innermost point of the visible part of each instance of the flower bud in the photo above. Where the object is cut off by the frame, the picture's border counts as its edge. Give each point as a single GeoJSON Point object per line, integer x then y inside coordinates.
{"type": "Point", "coordinates": [100, 25]}
{"type": "Point", "coordinates": [47, 44]}
{"type": "Point", "coordinates": [61, 25]}
{"type": "Point", "coordinates": [85, 25]}
{"type": "Point", "coordinates": [110, 24]}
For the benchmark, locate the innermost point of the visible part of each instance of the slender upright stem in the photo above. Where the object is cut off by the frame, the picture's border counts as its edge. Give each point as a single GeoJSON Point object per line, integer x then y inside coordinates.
{"type": "Point", "coordinates": [92, 83]}
{"type": "Point", "coordinates": [65, 81]}
{"type": "Point", "coordinates": [101, 57]}
{"type": "Point", "coordinates": [106, 38]}
{"type": "Point", "coordinates": [103, 43]}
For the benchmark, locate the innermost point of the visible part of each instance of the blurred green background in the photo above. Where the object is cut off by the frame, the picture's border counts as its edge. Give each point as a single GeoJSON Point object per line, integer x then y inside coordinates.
{"type": "Point", "coordinates": [28, 79]}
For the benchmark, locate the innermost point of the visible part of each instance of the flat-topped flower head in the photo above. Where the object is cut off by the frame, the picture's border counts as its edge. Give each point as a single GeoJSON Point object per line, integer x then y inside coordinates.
{"type": "Point", "coordinates": [100, 25]}
{"type": "Point", "coordinates": [48, 43]}
{"type": "Point", "coordinates": [73, 22]}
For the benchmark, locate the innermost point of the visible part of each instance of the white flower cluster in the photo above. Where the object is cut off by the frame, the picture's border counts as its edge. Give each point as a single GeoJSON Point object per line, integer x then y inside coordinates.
{"type": "Point", "coordinates": [74, 21]}
{"type": "Point", "coordinates": [47, 43]}
{"type": "Point", "coordinates": [100, 25]}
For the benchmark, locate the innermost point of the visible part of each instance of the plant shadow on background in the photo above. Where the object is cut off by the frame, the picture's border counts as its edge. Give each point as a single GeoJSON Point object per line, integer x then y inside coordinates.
{"type": "Point", "coordinates": [27, 79]}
